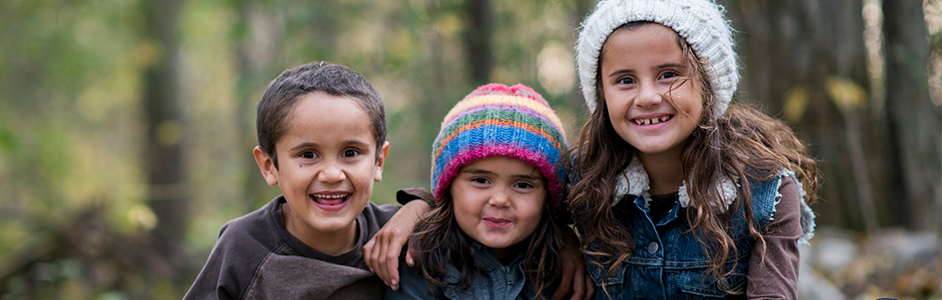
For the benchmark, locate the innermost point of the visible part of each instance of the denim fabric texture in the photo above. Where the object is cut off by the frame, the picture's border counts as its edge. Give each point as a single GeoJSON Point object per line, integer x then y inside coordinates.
{"type": "Point", "coordinates": [493, 281]}
{"type": "Point", "coordinates": [669, 262]}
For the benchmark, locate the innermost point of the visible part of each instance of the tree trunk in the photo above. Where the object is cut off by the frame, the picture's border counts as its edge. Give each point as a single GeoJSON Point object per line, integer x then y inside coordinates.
{"type": "Point", "coordinates": [478, 40]}
{"type": "Point", "coordinates": [914, 121]}
{"type": "Point", "coordinates": [163, 156]}
{"type": "Point", "coordinates": [259, 33]}
{"type": "Point", "coordinates": [789, 50]}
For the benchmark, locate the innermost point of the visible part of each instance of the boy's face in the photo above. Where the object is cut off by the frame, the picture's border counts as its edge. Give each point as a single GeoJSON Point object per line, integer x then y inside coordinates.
{"type": "Point", "coordinates": [498, 201]}
{"type": "Point", "coordinates": [327, 164]}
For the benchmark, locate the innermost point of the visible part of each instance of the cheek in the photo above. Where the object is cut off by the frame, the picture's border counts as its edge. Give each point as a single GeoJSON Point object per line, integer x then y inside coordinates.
{"type": "Point", "coordinates": [464, 207]}
{"type": "Point", "coordinates": [533, 212]}
{"type": "Point", "coordinates": [694, 109]}
{"type": "Point", "coordinates": [465, 214]}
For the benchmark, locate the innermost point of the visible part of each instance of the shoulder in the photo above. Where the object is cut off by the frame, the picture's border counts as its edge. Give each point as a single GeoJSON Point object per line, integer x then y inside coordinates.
{"type": "Point", "coordinates": [404, 196]}
{"type": "Point", "coordinates": [258, 227]}
{"type": "Point", "coordinates": [242, 245]}
{"type": "Point", "coordinates": [373, 217]}
{"type": "Point", "coordinates": [780, 201]}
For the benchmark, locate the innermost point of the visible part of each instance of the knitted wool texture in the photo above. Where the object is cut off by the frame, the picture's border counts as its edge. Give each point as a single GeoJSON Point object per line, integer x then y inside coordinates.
{"type": "Point", "coordinates": [700, 22]}
{"type": "Point", "coordinates": [496, 120]}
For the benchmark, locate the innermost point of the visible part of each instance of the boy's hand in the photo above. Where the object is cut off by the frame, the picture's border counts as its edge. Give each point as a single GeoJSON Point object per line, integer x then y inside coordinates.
{"type": "Point", "coordinates": [381, 253]}
{"type": "Point", "coordinates": [573, 270]}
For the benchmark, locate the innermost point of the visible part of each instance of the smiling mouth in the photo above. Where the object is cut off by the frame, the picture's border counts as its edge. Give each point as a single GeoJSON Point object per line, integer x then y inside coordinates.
{"type": "Point", "coordinates": [497, 222]}
{"type": "Point", "coordinates": [652, 121]}
{"type": "Point", "coordinates": [330, 200]}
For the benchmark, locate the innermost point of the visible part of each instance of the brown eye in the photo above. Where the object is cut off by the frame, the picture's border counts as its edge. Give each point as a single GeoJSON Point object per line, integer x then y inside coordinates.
{"type": "Point", "coordinates": [479, 180]}
{"type": "Point", "coordinates": [523, 185]}
{"type": "Point", "coordinates": [351, 153]}
{"type": "Point", "coordinates": [308, 154]}
{"type": "Point", "coordinates": [625, 80]}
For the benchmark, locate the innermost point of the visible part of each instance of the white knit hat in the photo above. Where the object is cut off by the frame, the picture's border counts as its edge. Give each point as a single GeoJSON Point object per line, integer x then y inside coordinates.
{"type": "Point", "coordinates": [700, 22]}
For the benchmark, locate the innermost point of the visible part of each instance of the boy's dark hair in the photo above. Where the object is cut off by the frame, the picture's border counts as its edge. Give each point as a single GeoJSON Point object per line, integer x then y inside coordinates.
{"type": "Point", "coordinates": [282, 94]}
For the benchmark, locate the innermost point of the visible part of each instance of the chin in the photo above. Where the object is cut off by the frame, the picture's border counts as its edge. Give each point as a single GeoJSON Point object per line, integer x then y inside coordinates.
{"type": "Point", "coordinates": [333, 224]}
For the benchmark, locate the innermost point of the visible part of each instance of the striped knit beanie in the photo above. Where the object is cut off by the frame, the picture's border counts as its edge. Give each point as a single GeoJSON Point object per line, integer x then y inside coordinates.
{"type": "Point", "coordinates": [498, 120]}
{"type": "Point", "coordinates": [700, 22]}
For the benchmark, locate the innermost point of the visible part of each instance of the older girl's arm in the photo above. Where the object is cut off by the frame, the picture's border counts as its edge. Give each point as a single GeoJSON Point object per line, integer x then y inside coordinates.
{"type": "Point", "coordinates": [776, 276]}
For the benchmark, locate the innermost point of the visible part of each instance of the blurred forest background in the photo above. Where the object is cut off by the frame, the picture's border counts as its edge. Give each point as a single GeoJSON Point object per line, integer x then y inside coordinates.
{"type": "Point", "coordinates": [126, 126]}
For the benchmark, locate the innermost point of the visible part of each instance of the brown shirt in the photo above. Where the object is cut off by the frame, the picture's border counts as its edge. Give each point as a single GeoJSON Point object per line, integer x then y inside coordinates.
{"type": "Point", "coordinates": [255, 257]}
{"type": "Point", "coordinates": [776, 276]}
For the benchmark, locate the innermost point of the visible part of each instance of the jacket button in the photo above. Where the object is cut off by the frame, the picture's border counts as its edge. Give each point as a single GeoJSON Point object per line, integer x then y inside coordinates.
{"type": "Point", "coordinates": [723, 284]}
{"type": "Point", "coordinates": [652, 247]}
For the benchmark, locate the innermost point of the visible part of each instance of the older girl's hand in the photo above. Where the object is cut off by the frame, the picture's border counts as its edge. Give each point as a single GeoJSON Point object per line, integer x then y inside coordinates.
{"type": "Point", "coordinates": [575, 278]}
{"type": "Point", "coordinates": [381, 253]}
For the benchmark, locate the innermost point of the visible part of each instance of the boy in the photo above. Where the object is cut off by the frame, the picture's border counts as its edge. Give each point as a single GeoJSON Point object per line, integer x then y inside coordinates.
{"type": "Point", "coordinates": [321, 134]}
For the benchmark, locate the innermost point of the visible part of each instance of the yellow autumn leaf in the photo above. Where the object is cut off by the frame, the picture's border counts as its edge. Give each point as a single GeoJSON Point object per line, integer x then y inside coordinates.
{"type": "Point", "coordinates": [845, 93]}
{"type": "Point", "coordinates": [795, 103]}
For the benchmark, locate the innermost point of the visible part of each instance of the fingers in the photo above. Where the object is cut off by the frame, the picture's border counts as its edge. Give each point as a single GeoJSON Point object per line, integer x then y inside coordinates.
{"type": "Point", "coordinates": [565, 285]}
{"type": "Point", "coordinates": [409, 260]}
{"type": "Point", "coordinates": [590, 287]}
{"type": "Point", "coordinates": [381, 269]}
{"type": "Point", "coordinates": [578, 284]}
{"type": "Point", "coordinates": [368, 254]}
{"type": "Point", "coordinates": [392, 267]}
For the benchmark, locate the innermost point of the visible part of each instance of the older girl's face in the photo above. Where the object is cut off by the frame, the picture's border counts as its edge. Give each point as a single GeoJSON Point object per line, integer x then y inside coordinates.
{"type": "Point", "coordinates": [650, 104]}
{"type": "Point", "coordinates": [498, 201]}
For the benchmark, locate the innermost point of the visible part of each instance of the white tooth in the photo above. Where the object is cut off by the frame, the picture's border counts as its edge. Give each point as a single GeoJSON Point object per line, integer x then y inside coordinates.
{"type": "Point", "coordinates": [655, 121]}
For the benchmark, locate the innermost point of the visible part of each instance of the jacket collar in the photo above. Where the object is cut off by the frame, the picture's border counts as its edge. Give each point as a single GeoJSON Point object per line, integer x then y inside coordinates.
{"type": "Point", "coordinates": [634, 181]}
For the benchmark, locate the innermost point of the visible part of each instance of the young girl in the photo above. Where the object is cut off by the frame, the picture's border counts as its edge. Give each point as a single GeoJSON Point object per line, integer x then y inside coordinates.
{"type": "Point", "coordinates": [492, 234]}
{"type": "Point", "coordinates": [679, 194]}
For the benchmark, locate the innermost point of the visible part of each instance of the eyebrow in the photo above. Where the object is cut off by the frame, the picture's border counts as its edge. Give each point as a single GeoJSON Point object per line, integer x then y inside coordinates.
{"type": "Point", "coordinates": [302, 145]}
{"type": "Point", "coordinates": [477, 171]}
{"type": "Point", "coordinates": [347, 142]}
{"type": "Point", "coordinates": [486, 172]}
{"type": "Point", "coordinates": [530, 177]}
{"type": "Point", "coordinates": [661, 66]}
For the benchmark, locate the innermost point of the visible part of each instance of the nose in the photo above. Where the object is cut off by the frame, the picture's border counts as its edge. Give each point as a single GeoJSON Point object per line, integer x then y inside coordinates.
{"type": "Point", "coordinates": [499, 199]}
{"type": "Point", "coordinates": [332, 173]}
{"type": "Point", "coordinates": [649, 94]}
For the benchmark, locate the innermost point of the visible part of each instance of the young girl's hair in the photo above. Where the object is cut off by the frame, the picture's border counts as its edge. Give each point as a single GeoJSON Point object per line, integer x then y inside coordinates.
{"type": "Point", "coordinates": [730, 141]}
{"type": "Point", "coordinates": [494, 120]}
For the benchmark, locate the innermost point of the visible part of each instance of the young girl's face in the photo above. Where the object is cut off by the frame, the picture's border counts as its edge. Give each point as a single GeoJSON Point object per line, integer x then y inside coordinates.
{"type": "Point", "coordinates": [649, 103]}
{"type": "Point", "coordinates": [498, 201]}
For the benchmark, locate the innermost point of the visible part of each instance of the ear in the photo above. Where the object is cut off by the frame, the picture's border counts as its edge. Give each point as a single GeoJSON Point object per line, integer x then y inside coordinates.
{"type": "Point", "coordinates": [266, 165]}
{"type": "Point", "coordinates": [380, 161]}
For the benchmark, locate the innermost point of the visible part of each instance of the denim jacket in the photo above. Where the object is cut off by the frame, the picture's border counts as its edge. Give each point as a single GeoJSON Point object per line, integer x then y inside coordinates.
{"type": "Point", "coordinates": [668, 262]}
{"type": "Point", "coordinates": [492, 281]}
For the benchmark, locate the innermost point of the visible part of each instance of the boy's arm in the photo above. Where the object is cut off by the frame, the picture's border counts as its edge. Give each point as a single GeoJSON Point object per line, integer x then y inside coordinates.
{"type": "Point", "coordinates": [381, 253]}
{"type": "Point", "coordinates": [575, 278]}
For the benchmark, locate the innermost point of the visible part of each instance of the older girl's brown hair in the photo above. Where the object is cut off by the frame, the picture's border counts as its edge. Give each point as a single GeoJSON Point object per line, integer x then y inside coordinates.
{"type": "Point", "coordinates": [742, 143]}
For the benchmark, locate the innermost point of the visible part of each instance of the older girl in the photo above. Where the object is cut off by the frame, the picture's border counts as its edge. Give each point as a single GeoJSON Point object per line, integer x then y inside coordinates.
{"type": "Point", "coordinates": [678, 193]}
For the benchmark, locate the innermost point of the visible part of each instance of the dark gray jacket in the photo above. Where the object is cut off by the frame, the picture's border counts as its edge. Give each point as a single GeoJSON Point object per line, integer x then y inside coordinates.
{"type": "Point", "coordinates": [255, 257]}
{"type": "Point", "coordinates": [493, 281]}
